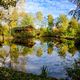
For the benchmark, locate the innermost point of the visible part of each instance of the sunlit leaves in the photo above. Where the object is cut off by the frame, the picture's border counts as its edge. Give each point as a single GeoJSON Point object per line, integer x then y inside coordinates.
{"type": "Point", "coordinates": [14, 15]}
{"type": "Point", "coordinates": [27, 20]}
{"type": "Point", "coordinates": [39, 16]}
{"type": "Point", "coordinates": [2, 54]}
{"type": "Point", "coordinates": [73, 23]}
{"type": "Point", "coordinates": [50, 20]}
{"type": "Point", "coordinates": [22, 14]}
{"type": "Point", "coordinates": [14, 53]}
{"type": "Point", "coordinates": [63, 22]}
{"type": "Point", "coordinates": [73, 27]}
{"type": "Point", "coordinates": [13, 24]}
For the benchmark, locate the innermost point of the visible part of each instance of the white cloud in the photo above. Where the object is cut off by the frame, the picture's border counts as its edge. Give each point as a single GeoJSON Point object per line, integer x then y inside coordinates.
{"type": "Point", "coordinates": [54, 7]}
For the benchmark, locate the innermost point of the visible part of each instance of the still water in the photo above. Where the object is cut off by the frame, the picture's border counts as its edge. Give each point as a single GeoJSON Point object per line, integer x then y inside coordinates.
{"type": "Point", "coordinates": [31, 55]}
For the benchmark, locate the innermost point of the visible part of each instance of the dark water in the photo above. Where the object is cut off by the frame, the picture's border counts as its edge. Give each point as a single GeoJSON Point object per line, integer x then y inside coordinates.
{"type": "Point", "coordinates": [30, 55]}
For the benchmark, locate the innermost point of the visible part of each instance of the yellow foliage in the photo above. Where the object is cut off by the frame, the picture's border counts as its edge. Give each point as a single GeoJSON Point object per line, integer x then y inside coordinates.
{"type": "Point", "coordinates": [39, 52]}
{"type": "Point", "coordinates": [39, 15]}
{"type": "Point", "coordinates": [6, 26]}
{"type": "Point", "coordinates": [63, 49]}
{"type": "Point", "coordinates": [13, 46]}
{"type": "Point", "coordinates": [13, 24]}
{"type": "Point", "coordinates": [2, 53]}
{"type": "Point", "coordinates": [50, 50]}
{"type": "Point", "coordinates": [22, 14]}
{"type": "Point", "coordinates": [74, 23]}
{"type": "Point", "coordinates": [50, 20]}
{"type": "Point", "coordinates": [1, 14]}
{"type": "Point", "coordinates": [63, 22]}
{"type": "Point", "coordinates": [55, 29]}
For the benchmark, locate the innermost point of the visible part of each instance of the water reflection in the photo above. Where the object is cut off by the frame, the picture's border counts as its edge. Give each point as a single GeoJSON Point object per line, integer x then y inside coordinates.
{"type": "Point", "coordinates": [30, 55]}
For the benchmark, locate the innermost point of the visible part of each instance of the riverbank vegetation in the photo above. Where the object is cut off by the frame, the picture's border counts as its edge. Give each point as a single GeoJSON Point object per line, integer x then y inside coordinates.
{"type": "Point", "coordinates": [25, 25]}
{"type": "Point", "coordinates": [10, 74]}
{"type": "Point", "coordinates": [17, 27]}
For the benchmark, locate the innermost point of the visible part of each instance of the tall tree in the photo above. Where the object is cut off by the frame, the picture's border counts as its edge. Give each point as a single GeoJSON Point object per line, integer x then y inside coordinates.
{"type": "Point", "coordinates": [39, 17]}
{"type": "Point", "coordinates": [27, 20]}
{"type": "Point", "coordinates": [13, 22]}
{"type": "Point", "coordinates": [6, 4]}
{"type": "Point", "coordinates": [73, 27]}
{"type": "Point", "coordinates": [62, 22]}
{"type": "Point", "coordinates": [50, 21]}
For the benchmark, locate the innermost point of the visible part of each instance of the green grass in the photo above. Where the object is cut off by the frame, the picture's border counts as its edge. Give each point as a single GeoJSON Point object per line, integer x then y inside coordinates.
{"type": "Point", "coordinates": [10, 74]}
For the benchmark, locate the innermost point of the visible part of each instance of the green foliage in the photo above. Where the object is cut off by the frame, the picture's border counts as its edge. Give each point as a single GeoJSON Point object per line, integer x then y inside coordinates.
{"type": "Point", "coordinates": [23, 32]}
{"type": "Point", "coordinates": [46, 32]}
{"type": "Point", "coordinates": [78, 32]}
{"type": "Point", "coordinates": [62, 22]}
{"type": "Point", "coordinates": [72, 28]}
{"type": "Point", "coordinates": [27, 20]}
{"type": "Point", "coordinates": [63, 49]}
{"type": "Point", "coordinates": [10, 74]}
{"type": "Point", "coordinates": [27, 51]}
{"type": "Point", "coordinates": [73, 23]}
{"type": "Point", "coordinates": [39, 16]}
{"type": "Point", "coordinates": [50, 20]}
{"type": "Point", "coordinates": [74, 72]}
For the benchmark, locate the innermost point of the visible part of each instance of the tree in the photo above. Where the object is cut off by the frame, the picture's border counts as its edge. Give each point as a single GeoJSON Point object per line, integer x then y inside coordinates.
{"type": "Point", "coordinates": [50, 20]}
{"type": "Point", "coordinates": [62, 24]}
{"type": "Point", "coordinates": [39, 16]}
{"type": "Point", "coordinates": [76, 12]}
{"type": "Point", "coordinates": [73, 27]}
{"type": "Point", "coordinates": [6, 4]}
{"type": "Point", "coordinates": [27, 20]}
{"type": "Point", "coordinates": [73, 23]}
{"type": "Point", "coordinates": [13, 18]}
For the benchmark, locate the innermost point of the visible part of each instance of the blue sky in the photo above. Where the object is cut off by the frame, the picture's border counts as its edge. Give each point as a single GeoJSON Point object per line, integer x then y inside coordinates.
{"type": "Point", "coordinates": [54, 7]}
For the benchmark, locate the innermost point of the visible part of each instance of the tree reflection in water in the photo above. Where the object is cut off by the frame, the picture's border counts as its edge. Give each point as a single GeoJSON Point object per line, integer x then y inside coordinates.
{"type": "Point", "coordinates": [15, 54]}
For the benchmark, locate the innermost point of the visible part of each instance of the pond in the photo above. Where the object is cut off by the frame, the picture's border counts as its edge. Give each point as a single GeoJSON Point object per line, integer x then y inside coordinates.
{"type": "Point", "coordinates": [31, 55]}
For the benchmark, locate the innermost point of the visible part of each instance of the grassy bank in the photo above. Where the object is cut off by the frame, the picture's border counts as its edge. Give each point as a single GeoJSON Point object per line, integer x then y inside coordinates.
{"type": "Point", "coordinates": [10, 74]}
